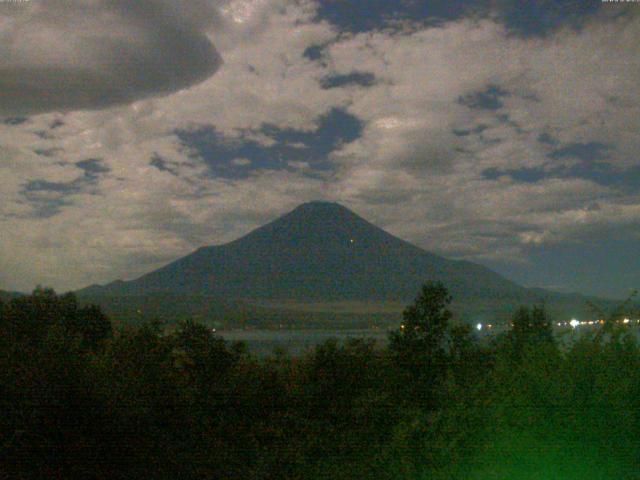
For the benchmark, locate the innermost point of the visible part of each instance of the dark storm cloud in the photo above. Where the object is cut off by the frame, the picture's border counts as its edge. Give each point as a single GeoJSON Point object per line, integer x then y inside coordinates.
{"type": "Point", "coordinates": [68, 55]}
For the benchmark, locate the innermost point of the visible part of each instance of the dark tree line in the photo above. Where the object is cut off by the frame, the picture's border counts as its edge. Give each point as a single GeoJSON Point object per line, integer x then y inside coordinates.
{"type": "Point", "coordinates": [80, 400]}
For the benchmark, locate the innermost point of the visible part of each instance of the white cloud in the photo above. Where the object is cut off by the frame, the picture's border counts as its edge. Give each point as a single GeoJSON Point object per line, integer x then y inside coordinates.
{"type": "Point", "coordinates": [432, 178]}
{"type": "Point", "coordinates": [241, 161]}
{"type": "Point", "coordinates": [409, 172]}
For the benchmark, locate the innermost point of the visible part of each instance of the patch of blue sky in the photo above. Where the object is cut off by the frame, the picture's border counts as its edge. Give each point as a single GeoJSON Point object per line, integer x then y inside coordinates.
{"type": "Point", "coordinates": [540, 17]}
{"type": "Point", "coordinates": [47, 198]}
{"type": "Point", "coordinates": [14, 121]}
{"type": "Point", "coordinates": [239, 158]}
{"type": "Point", "coordinates": [603, 265]}
{"type": "Point", "coordinates": [530, 18]}
{"type": "Point", "coordinates": [487, 99]}
{"type": "Point", "coordinates": [588, 152]}
{"type": "Point", "coordinates": [360, 16]}
{"type": "Point", "coordinates": [92, 167]}
{"type": "Point", "coordinates": [591, 164]}
{"type": "Point", "coordinates": [361, 79]}
{"type": "Point", "coordinates": [314, 52]}
{"type": "Point", "coordinates": [47, 186]}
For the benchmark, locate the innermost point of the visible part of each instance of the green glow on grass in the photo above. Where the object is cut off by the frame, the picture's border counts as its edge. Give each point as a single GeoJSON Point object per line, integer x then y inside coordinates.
{"type": "Point", "coordinates": [522, 456]}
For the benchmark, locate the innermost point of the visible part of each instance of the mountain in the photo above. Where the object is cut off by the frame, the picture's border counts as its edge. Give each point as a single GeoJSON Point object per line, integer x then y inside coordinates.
{"type": "Point", "coordinates": [8, 296]}
{"type": "Point", "coordinates": [320, 252]}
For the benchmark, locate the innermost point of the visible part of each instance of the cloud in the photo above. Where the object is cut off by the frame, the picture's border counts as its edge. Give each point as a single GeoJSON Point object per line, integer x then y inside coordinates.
{"type": "Point", "coordinates": [455, 103]}
{"type": "Point", "coordinates": [70, 55]}
{"type": "Point", "coordinates": [433, 132]}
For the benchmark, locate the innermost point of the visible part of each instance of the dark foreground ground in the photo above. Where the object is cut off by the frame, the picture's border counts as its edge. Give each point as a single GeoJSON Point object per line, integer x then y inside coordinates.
{"type": "Point", "coordinates": [81, 399]}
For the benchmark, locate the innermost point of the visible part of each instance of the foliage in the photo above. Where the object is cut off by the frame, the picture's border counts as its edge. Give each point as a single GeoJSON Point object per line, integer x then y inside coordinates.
{"type": "Point", "coordinates": [30, 318]}
{"type": "Point", "coordinates": [78, 400]}
{"type": "Point", "coordinates": [531, 329]}
{"type": "Point", "coordinates": [419, 346]}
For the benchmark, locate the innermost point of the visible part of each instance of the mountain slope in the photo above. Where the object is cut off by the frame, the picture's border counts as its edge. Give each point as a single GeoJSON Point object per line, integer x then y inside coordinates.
{"type": "Point", "coordinates": [6, 296]}
{"type": "Point", "coordinates": [318, 252]}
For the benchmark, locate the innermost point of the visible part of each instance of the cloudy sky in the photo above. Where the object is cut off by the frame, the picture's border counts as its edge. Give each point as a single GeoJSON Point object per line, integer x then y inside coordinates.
{"type": "Point", "coordinates": [134, 131]}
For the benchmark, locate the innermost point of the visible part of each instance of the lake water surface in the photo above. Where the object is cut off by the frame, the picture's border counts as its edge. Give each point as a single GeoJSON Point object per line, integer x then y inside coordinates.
{"type": "Point", "coordinates": [295, 342]}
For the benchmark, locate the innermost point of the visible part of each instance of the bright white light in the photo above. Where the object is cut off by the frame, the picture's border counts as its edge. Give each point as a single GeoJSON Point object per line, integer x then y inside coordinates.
{"type": "Point", "coordinates": [574, 323]}
{"type": "Point", "coordinates": [559, 324]}
{"type": "Point", "coordinates": [388, 123]}
{"type": "Point", "coordinates": [626, 320]}
{"type": "Point", "coordinates": [241, 11]}
{"type": "Point", "coordinates": [479, 326]}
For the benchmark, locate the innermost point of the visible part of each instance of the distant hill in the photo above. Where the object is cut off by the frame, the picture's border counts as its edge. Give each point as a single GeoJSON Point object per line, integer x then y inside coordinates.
{"type": "Point", "coordinates": [321, 253]}
{"type": "Point", "coordinates": [8, 296]}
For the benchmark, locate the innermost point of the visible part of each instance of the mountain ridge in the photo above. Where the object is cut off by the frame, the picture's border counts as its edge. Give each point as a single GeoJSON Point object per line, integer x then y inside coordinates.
{"type": "Point", "coordinates": [7, 296]}
{"type": "Point", "coordinates": [320, 253]}
{"type": "Point", "coordinates": [339, 254]}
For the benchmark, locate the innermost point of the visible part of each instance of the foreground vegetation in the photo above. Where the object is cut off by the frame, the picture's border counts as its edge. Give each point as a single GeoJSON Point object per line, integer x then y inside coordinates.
{"type": "Point", "coordinates": [80, 400]}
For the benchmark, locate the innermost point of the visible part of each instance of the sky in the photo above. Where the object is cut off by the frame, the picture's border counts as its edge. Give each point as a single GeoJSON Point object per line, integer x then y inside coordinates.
{"type": "Point", "coordinates": [503, 132]}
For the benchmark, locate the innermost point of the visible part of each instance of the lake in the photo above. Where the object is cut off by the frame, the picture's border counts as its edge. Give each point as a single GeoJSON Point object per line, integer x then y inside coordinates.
{"type": "Point", "coordinates": [295, 342]}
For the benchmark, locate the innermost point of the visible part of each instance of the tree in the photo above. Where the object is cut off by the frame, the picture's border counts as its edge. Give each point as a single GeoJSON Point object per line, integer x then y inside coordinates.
{"type": "Point", "coordinates": [93, 326]}
{"type": "Point", "coordinates": [203, 356]}
{"type": "Point", "coordinates": [542, 331]}
{"type": "Point", "coordinates": [419, 346]}
{"type": "Point", "coordinates": [29, 318]}
{"type": "Point", "coordinates": [530, 327]}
